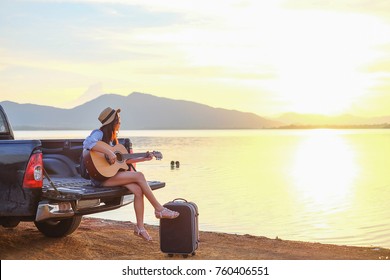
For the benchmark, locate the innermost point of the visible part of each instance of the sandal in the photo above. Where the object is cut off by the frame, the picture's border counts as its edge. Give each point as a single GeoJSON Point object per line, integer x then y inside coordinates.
{"type": "Point", "coordinates": [142, 233]}
{"type": "Point", "coordinates": [166, 214]}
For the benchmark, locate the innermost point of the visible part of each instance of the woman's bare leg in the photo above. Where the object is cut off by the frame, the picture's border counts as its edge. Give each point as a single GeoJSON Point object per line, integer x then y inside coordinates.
{"type": "Point", "coordinates": [139, 229]}
{"type": "Point", "coordinates": [129, 177]}
{"type": "Point", "coordinates": [138, 204]}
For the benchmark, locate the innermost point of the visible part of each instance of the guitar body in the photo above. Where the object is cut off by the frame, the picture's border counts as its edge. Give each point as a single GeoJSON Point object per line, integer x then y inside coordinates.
{"type": "Point", "coordinates": [99, 168]}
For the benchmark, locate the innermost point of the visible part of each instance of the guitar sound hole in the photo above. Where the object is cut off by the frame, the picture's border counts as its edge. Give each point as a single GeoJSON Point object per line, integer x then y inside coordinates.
{"type": "Point", "coordinates": [119, 157]}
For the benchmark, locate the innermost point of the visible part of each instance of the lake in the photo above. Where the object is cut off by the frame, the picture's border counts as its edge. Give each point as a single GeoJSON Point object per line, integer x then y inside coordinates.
{"type": "Point", "coordinates": [320, 185]}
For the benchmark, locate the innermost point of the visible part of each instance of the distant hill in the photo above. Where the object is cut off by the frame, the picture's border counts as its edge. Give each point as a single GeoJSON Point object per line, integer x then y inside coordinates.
{"type": "Point", "coordinates": [321, 120]}
{"type": "Point", "coordinates": [139, 111]}
{"type": "Point", "coordinates": [145, 111]}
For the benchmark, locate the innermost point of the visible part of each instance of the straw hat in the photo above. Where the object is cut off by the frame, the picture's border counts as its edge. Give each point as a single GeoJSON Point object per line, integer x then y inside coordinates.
{"type": "Point", "coordinates": [108, 115]}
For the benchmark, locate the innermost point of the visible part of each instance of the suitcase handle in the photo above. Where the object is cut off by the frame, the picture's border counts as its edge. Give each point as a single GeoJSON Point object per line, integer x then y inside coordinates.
{"type": "Point", "coordinates": [180, 199]}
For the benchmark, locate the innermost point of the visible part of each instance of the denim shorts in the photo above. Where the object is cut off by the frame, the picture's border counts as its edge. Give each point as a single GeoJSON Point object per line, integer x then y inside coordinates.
{"type": "Point", "coordinates": [96, 183]}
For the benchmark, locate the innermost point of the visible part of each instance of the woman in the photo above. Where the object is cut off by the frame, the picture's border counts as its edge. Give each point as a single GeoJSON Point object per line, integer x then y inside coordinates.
{"type": "Point", "coordinates": [133, 181]}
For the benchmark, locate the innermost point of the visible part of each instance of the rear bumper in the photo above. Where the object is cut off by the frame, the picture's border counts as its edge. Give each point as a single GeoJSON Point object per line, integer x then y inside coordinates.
{"type": "Point", "coordinates": [48, 211]}
{"type": "Point", "coordinates": [65, 209]}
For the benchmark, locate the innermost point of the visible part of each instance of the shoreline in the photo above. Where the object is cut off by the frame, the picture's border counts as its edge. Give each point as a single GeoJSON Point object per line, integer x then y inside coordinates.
{"type": "Point", "coordinates": [101, 239]}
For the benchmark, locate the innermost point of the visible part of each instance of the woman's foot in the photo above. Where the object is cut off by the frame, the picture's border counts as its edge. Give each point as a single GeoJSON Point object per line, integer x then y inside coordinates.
{"type": "Point", "coordinates": [166, 213]}
{"type": "Point", "coordinates": [142, 233]}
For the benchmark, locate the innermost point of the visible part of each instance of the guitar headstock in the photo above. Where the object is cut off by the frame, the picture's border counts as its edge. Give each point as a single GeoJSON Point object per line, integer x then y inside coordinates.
{"type": "Point", "coordinates": [158, 155]}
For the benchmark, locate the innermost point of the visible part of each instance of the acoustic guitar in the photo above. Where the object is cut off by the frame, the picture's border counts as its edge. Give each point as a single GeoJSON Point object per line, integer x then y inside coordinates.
{"type": "Point", "coordinates": [99, 167]}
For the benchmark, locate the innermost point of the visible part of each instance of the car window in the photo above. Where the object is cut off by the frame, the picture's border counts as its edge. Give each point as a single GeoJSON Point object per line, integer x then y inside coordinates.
{"type": "Point", "coordinates": [3, 125]}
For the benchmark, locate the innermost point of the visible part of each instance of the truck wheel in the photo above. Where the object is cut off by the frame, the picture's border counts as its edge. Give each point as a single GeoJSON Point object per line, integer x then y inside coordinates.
{"type": "Point", "coordinates": [10, 223]}
{"type": "Point", "coordinates": [59, 228]}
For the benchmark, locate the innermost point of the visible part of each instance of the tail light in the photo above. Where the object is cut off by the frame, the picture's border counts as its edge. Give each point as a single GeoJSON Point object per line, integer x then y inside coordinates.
{"type": "Point", "coordinates": [33, 178]}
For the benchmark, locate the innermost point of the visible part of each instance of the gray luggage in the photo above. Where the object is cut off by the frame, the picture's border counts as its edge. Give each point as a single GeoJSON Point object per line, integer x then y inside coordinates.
{"type": "Point", "coordinates": [180, 235]}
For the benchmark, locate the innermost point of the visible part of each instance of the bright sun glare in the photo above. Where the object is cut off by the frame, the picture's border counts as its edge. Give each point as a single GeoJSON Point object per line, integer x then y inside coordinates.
{"type": "Point", "coordinates": [324, 170]}
{"type": "Point", "coordinates": [319, 66]}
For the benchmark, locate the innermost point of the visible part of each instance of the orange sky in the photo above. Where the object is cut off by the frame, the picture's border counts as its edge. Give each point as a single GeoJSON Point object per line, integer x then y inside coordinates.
{"type": "Point", "coordinates": [267, 57]}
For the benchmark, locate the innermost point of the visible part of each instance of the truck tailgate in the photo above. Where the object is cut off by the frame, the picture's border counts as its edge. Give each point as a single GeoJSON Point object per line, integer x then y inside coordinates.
{"type": "Point", "coordinates": [83, 189]}
{"type": "Point", "coordinates": [72, 196]}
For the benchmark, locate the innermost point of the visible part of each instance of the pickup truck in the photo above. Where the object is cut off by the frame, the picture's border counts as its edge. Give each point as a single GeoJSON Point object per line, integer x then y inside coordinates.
{"type": "Point", "coordinates": [40, 182]}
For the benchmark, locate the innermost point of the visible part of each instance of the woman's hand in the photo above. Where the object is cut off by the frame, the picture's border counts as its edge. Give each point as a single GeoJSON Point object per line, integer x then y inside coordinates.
{"type": "Point", "coordinates": [149, 156]}
{"type": "Point", "coordinates": [111, 157]}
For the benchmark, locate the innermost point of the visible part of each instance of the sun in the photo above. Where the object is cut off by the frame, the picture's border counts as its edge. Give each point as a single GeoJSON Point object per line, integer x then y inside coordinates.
{"type": "Point", "coordinates": [319, 97]}
{"type": "Point", "coordinates": [315, 83]}
{"type": "Point", "coordinates": [318, 68]}
{"type": "Point", "coordinates": [320, 88]}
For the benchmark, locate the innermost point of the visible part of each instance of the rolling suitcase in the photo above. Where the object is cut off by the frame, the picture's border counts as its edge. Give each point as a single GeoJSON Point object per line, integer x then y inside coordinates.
{"type": "Point", "coordinates": [180, 235]}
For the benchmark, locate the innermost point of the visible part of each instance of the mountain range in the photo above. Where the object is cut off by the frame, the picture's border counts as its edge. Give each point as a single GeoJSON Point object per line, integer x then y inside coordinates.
{"type": "Point", "coordinates": [339, 120]}
{"type": "Point", "coordinates": [145, 111]}
{"type": "Point", "coordinates": [139, 111]}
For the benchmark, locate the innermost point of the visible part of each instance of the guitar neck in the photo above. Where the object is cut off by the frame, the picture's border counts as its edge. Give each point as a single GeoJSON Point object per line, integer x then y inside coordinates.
{"type": "Point", "coordinates": [135, 155]}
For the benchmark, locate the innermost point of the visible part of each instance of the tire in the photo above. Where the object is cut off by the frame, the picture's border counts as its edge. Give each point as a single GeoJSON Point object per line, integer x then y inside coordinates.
{"type": "Point", "coordinates": [59, 228]}
{"type": "Point", "coordinates": [10, 222]}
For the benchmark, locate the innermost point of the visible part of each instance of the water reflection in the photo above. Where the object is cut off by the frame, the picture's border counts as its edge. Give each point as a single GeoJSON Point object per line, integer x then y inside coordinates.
{"type": "Point", "coordinates": [324, 170]}
{"type": "Point", "coordinates": [329, 186]}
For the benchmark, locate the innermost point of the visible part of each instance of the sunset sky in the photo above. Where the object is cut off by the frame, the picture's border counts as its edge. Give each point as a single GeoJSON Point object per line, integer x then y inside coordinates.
{"type": "Point", "coordinates": [261, 56]}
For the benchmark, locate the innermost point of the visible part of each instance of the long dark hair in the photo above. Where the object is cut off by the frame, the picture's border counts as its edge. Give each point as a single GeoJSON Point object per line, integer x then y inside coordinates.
{"type": "Point", "coordinates": [108, 131]}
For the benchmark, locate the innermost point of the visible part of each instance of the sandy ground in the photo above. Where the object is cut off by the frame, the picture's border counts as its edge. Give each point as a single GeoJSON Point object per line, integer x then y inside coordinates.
{"type": "Point", "coordinates": [98, 239]}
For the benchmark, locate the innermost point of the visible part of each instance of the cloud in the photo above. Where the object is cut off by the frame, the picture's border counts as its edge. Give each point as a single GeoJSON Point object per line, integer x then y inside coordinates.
{"type": "Point", "coordinates": [278, 47]}
{"type": "Point", "coordinates": [92, 92]}
{"type": "Point", "coordinates": [375, 8]}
